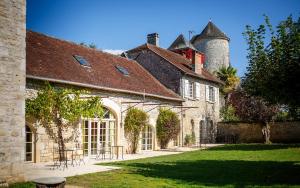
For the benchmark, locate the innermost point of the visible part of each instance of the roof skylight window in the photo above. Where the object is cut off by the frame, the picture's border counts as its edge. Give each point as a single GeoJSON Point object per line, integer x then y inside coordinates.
{"type": "Point", "coordinates": [82, 61]}
{"type": "Point", "coordinates": [123, 70]}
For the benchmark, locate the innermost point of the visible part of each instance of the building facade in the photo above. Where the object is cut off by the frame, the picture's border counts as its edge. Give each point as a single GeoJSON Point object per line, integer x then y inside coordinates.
{"type": "Point", "coordinates": [119, 82]}
{"type": "Point", "coordinates": [180, 68]}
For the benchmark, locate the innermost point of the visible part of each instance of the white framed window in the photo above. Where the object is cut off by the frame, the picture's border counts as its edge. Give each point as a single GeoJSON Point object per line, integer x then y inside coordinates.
{"type": "Point", "coordinates": [191, 90]}
{"type": "Point", "coordinates": [210, 94]}
{"type": "Point", "coordinates": [197, 90]}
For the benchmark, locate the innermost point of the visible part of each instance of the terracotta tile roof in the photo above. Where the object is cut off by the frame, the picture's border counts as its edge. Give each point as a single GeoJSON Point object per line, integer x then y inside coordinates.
{"type": "Point", "coordinates": [178, 61]}
{"type": "Point", "coordinates": [51, 58]}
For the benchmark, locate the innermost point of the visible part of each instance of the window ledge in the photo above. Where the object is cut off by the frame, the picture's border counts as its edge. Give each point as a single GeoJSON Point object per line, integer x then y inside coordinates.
{"type": "Point", "coordinates": [191, 99]}
{"type": "Point", "coordinates": [211, 102]}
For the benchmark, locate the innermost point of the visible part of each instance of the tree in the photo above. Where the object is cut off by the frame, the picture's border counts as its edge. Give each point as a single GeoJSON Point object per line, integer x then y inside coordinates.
{"type": "Point", "coordinates": [229, 77]}
{"type": "Point", "coordinates": [59, 111]}
{"type": "Point", "coordinates": [255, 109]}
{"type": "Point", "coordinates": [135, 121]}
{"type": "Point", "coordinates": [273, 63]}
{"type": "Point", "coordinates": [92, 45]}
{"type": "Point", "coordinates": [167, 126]}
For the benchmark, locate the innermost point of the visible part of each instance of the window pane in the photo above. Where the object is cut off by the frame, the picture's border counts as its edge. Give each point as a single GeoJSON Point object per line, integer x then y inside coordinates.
{"type": "Point", "coordinates": [28, 156]}
{"type": "Point", "coordinates": [28, 147]}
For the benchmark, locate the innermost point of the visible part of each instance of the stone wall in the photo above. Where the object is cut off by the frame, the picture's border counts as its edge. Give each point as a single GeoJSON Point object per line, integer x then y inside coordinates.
{"type": "Point", "coordinates": [281, 132]}
{"type": "Point", "coordinates": [161, 69]}
{"type": "Point", "coordinates": [216, 53]}
{"type": "Point", "coordinates": [12, 88]}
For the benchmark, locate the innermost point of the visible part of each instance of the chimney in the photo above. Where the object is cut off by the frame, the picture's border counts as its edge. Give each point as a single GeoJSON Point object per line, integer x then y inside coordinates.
{"type": "Point", "coordinates": [198, 60]}
{"type": "Point", "coordinates": [153, 39]}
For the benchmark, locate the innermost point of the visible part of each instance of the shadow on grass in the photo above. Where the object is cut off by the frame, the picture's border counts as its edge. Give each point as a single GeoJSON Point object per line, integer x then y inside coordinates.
{"type": "Point", "coordinates": [220, 173]}
{"type": "Point", "coordinates": [254, 147]}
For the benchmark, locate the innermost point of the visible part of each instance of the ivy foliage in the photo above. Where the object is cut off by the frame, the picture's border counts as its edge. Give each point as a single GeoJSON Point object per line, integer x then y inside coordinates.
{"type": "Point", "coordinates": [59, 111]}
{"type": "Point", "coordinates": [135, 121]}
{"type": "Point", "coordinates": [167, 126]}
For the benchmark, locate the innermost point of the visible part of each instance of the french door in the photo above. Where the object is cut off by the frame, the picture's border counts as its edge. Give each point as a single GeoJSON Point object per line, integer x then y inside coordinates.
{"type": "Point", "coordinates": [147, 138]}
{"type": "Point", "coordinates": [97, 134]}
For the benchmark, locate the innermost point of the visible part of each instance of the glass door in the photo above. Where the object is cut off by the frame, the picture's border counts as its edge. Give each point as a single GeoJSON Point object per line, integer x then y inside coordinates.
{"type": "Point", "coordinates": [29, 144]}
{"type": "Point", "coordinates": [90, 137]}
{"type": "Point", "coordinates": [147, 138]}
{"type": "Point", "coordinates": [94, 136]}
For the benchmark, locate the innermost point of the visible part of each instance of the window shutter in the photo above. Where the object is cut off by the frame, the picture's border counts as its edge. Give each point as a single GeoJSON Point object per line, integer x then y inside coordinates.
{"type": "Point", "coordinates": [207, 92]}
{"type": "Point", "coordinates": [197, 90]}
{"type": "Point", "coordinates": [186, 87]}
{"type": "Point", "coordinates": [216, 94]}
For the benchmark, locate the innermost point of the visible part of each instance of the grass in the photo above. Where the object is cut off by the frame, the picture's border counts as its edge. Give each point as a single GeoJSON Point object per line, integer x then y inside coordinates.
{"type": "Point", "coordinates": [225, 166]}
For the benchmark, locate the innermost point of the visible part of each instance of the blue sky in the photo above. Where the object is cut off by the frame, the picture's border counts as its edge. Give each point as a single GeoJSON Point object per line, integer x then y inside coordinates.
{"type": "Point", "coordinates": [122, 25]}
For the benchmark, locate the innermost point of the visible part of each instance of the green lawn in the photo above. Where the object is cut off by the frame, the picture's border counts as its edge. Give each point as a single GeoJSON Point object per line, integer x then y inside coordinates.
{"type": "Point", "coordinates": [226, 166]}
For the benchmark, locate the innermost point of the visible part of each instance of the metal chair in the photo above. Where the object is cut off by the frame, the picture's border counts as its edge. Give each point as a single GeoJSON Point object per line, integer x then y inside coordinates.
{"type": "Point", "coordinates": [57, 160]}
{"type": "Point", "coordinates": [102, 151]}
{"type": "Point", "coordinates": [78, 157]}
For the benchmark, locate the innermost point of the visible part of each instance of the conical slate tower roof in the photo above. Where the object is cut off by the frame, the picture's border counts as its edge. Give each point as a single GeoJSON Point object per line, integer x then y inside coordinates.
{"type": "Point", "coordinates": [210, 31]}
{"type": "Point", "coordinates": [181, 43]}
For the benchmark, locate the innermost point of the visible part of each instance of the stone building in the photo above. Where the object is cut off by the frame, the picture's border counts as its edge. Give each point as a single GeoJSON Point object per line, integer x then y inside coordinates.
{"type": "Point", "coordinates": [215, 45]}
{"type": "Point", "coordinates": [119, 82]}
{"type": "Point", "coordinates": [180, 68]}
{"type": "Point", "coordinates": [12, 89]}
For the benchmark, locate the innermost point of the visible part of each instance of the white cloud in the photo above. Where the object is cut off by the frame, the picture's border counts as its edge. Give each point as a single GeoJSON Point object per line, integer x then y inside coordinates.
{"type": "Point", "coordinates": [115, 52]}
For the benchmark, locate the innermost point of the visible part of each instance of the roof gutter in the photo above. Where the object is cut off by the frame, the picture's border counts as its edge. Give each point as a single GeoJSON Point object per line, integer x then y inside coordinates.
{"type": "Point", "coordinates": [102, 88]}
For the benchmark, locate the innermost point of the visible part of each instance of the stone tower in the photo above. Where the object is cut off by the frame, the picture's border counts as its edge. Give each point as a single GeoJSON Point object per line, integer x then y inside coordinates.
{"type": "Point", "coordinates": [215, 45]}
{"type": "Point", "coordinates": [12, 89]}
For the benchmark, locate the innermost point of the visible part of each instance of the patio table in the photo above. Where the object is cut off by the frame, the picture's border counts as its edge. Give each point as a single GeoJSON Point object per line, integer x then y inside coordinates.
{"type": "Point", "coordinates": [117, 147]}
{"type": "Point", "coordinates": [51, 182]}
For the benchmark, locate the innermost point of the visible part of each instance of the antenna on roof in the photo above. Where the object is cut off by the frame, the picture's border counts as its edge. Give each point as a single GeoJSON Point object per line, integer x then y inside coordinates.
{"type": "Point", "coordinates": [190, 32]}
{"type": "Point", "coordinates": [209, 19]}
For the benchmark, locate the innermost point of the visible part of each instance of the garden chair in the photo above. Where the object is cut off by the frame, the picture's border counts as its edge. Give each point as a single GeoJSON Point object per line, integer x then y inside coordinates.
{"type": "Point", "coordinates": [57, 162]}
{"type": "Point", "coordinates": [78, 157]}
{"type": "Point", "coordinates": [102, 151]}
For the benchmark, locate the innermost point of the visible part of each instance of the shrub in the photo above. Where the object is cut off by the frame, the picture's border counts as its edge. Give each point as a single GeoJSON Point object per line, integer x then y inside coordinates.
{"type": "Point", "coordinates": [167, 127]}
{"type": "Point", "coordinates": [188, 140]}
{"type": "Point", "coordinates": [135, 121]}
{"type": "Point", "coordinates": [193, 138]}
{"type": "Point", "coordinates": [227, 114]}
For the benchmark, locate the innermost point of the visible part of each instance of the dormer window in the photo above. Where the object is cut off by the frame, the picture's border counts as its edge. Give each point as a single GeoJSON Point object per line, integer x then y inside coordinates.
{"type": "Point", "coordinates": [122, 70]}
{"type": "Point", "coordinates": [82, 61]}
